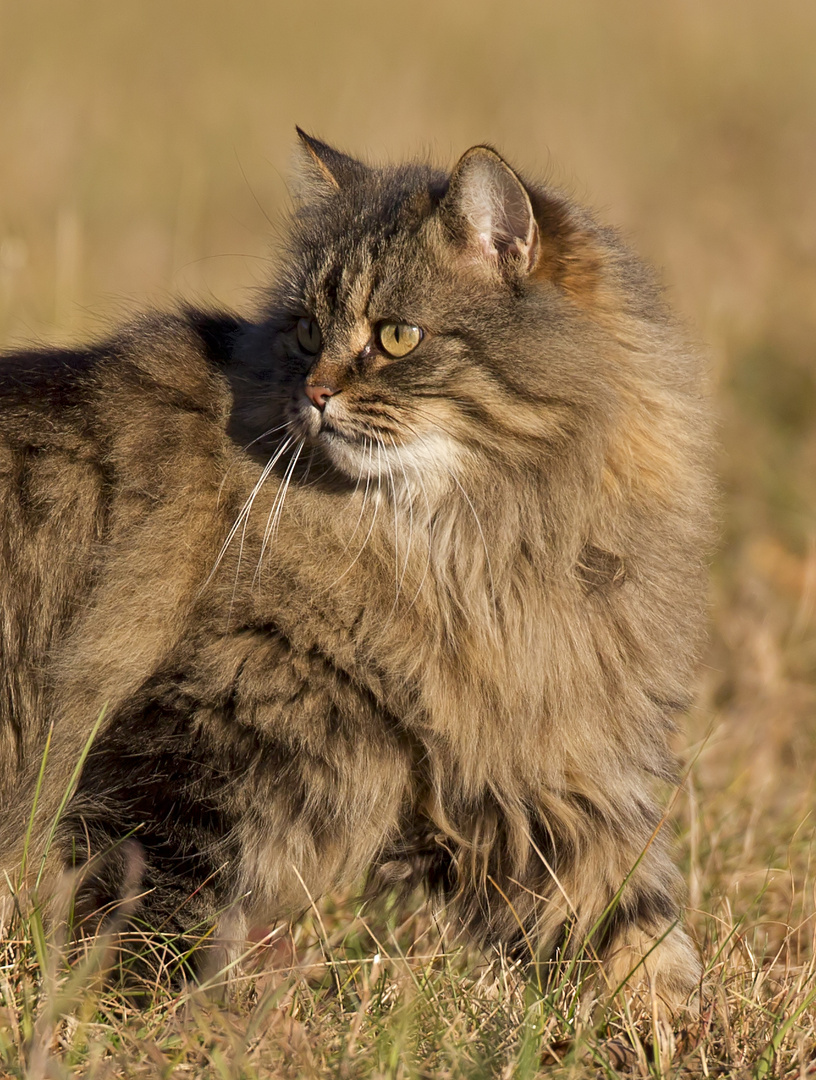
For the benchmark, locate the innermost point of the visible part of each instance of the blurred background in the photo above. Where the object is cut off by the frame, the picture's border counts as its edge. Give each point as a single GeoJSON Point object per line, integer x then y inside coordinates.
{"type": "Point", "coordinates": [144, 150]}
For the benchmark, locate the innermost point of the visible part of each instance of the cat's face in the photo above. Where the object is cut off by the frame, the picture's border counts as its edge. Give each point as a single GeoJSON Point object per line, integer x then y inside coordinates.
{"type": "Point", "coordinates": [413, 324]}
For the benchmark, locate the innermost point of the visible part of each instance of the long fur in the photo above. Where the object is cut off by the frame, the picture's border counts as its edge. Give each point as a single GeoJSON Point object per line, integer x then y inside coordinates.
{"type": "Point", "coordinates": [436, 633]}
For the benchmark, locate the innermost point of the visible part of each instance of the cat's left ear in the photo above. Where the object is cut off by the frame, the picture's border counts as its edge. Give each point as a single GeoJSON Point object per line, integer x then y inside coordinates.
{"type": "Point", "coordinates": [325, 170]}
{"type": "Point", "coordinates": [488, 208]}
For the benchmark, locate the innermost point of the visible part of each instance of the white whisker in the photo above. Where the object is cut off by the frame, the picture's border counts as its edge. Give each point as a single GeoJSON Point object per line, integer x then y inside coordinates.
{"type": "Point", "coordinates": [373, 520]}
{"type": "Point", "coordinates": [309, 464]}
{"type": "Point", "coordinates": [410, 514]}
{"type": "Point", "coordinates": [273, 520]}
{"type": "Point", "coordinates": [263, 435]}
{"type": "Point", "coordinates": [396, 521]}
{"type": "Point", "coordinates": [244, 513]}
{"type": "Point", "coordinates": [368, 445]}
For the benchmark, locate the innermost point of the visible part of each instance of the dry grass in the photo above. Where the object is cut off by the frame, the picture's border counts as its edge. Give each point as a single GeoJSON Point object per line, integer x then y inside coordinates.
{"type": "Point", "coordinates": [144, 146]}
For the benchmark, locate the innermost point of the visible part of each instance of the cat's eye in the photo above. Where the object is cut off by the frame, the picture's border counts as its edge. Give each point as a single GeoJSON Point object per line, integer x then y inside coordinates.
{"type": "Point", "coordinates": [398, 339]}
{"type": "Point", "coordinates": [308, 335]}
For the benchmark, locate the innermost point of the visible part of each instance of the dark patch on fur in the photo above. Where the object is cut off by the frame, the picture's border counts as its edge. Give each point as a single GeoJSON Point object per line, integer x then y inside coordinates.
{"type": "Point", "coordinates": [598, 569]}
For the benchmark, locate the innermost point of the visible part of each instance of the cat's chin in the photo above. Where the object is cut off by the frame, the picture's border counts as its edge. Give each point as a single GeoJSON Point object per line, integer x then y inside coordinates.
{"type": "Point", "coordinates": [423, 469]}
{"type": "Point", "coordinates": [349, 456]}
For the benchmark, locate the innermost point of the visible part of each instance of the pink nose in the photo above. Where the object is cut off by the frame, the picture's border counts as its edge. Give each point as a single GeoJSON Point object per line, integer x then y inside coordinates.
{"type": "Point", "coordinates": [319, 395]}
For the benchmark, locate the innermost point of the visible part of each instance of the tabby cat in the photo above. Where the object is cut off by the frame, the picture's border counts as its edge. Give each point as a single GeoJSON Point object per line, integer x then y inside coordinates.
{"type": "Point", "coordinates": [405, 578]}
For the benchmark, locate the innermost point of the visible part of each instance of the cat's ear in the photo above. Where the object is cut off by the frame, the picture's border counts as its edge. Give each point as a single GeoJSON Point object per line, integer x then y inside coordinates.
{"type": "Point", "coordinates": [487, 207]}
{"type": "Point", "coordinates": [324, 170]}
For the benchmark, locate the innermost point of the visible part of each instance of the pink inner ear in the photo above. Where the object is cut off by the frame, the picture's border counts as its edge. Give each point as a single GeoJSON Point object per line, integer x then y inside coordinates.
{"type": "Point", "coordinates": [484, 242]}
{"type": "Point", "coordinates": [492, 240]}
{"type": "Point", "coordinates": [499, 212]}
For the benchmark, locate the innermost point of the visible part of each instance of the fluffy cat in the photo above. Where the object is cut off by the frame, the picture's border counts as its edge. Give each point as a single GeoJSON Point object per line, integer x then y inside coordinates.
{"type": "Point", "coordinates": [403, 578]}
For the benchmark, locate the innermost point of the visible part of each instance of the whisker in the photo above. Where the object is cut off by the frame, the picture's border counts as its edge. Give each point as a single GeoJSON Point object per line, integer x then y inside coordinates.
{"type": "Point", "coordinates": [309, 464]}
{"type": "Point", "coordinates": [365, 492]}
{"type": "Point", "coordinates": [396, 520]}
{"type": "Point", "coordinates": [373, 520]}
{"type": "Point", "coordinates": [263, 435]}
{"type": "Point", "coordinates": [360, 473]}
{"type": "Point", "coordinates": [410, 514]}
{"type": "Point", "coordinates": [316, 479]}
{"type": "Point", "coordinates": [276, 523]}
{"type": "Point", "coordinates": [243, 515]}
{"type": "Point", "coordinates": [273, 519]}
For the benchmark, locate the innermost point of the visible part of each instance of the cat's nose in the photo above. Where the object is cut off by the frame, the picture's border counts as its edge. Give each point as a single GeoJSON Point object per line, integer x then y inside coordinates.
{"type": "Point", "coordinates": [319, 395]}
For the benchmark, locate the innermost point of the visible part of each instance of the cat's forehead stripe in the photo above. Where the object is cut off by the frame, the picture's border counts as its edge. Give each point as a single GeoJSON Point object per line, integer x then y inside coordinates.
{"type": "Point", "coordinates": [343, 286]}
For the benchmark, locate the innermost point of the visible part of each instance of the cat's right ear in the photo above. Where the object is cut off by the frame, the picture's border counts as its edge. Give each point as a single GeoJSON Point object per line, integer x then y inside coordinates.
{"type": "Point", "coordinates": [324, 170]}
{"type": "Point", "coordinates": [487, 209]}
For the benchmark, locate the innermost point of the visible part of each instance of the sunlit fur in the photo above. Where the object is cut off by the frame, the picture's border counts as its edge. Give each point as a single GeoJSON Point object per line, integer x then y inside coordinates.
{"type": "Point", "coordinates": [435, 633]}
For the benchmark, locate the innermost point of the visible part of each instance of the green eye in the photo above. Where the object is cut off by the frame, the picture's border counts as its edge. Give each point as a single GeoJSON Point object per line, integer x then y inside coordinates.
{"type": "Point", "coordinates": [398, 339]}
{"type": "Point", "coordinates": [308, 335]}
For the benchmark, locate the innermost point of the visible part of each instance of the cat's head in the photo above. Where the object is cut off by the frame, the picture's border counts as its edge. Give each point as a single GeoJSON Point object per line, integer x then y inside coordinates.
{"type": "Point", "coordinates": [424, 319]}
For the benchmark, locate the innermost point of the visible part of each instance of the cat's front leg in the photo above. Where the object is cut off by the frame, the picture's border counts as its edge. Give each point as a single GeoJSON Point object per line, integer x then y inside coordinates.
{"type": "Point", "coordinates": [622, 928]}
{"type": "Point", "coordinates": [590, 898]}
{"type": "Point", "coordinates": [629, 893]}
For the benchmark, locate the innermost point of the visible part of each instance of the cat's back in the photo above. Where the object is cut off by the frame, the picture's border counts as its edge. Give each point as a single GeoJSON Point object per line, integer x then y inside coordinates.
{"type": "Point", "coordinates": [95, 442]}
{"type": "Point", "coordinates": [73, 402]}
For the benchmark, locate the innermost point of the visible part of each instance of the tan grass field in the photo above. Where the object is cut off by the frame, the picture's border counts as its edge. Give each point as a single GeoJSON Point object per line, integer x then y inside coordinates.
{"type": "Point", "coordinates": [144, 147]}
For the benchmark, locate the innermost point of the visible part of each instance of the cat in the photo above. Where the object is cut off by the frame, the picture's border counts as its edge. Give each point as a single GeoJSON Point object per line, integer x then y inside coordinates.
{"type": "Point", "coordinates": [404, 578]}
